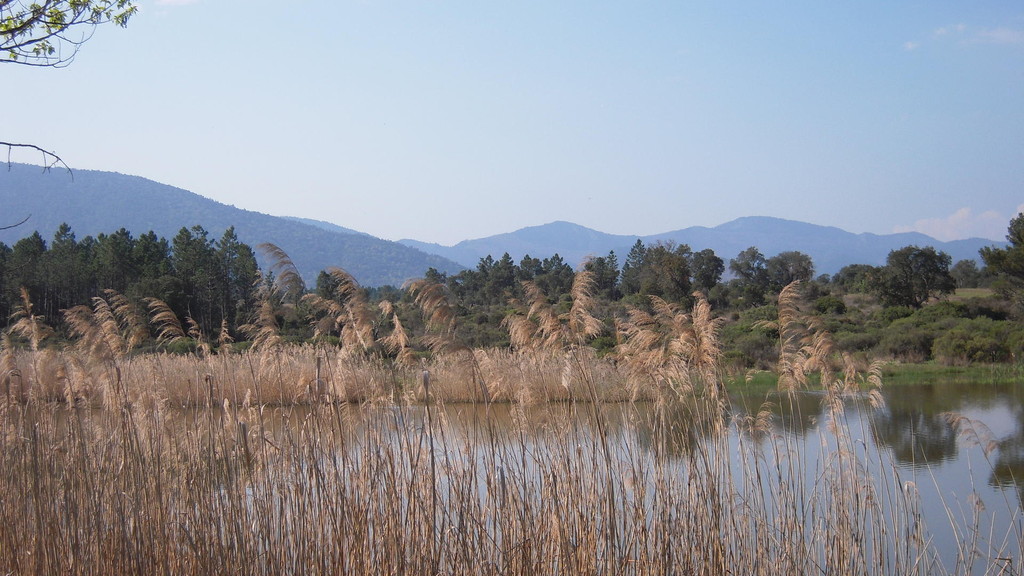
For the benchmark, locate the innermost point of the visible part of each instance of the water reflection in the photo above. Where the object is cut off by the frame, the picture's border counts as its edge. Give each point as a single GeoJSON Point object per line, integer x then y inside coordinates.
{"type": "Point", "coordinates": [915, 437]}
{"type": "Point", "coordinates": [1008, 469]}
{"type": "Point", "coordinates": [675, 431]}
{"type": "Point", "coordinates": [796, 414]}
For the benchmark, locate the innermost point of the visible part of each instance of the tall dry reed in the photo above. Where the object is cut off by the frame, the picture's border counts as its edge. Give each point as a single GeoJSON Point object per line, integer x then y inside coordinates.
{"type": "Point", "coordinates": [204, 463]}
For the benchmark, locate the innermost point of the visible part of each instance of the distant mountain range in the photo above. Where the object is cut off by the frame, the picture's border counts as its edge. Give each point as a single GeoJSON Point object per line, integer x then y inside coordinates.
{"type": "Point", "coordinates": [831, 248]}
{"type": "Point", "coordinates": [96, 202]}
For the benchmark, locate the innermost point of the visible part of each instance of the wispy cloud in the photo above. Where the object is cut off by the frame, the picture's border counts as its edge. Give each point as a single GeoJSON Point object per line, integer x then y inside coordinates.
{"type": "Point", "coordinates": [963, 223]}
{"type": "Point", "coordinates": [978, 35]}
{"type": "Point", "coordinates": [964, 34]}
{"type": "Point", "coordinates": [950, 30]}
{"type": "Point", "coordinates": [999, 35]}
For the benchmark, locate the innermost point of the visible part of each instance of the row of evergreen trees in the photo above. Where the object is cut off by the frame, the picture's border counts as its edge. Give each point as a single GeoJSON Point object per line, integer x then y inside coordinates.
{"type": "Point", "coordinates": [211, 281]}
{"type": "Point", "coordinates": [214, 282]}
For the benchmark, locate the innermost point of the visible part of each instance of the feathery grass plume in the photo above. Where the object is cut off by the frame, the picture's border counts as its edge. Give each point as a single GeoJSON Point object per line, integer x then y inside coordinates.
{"type": "Point", "coordinates": [874, 383]}
{"type": "Point", "coordinates": [195, 332]}
{"type": "Point", "coordinates": [275, 293]}
{"type": "Point", "coordinates": [805, 346]}
{"type": "Point", "coordinates": [131, 321]}
{"type": "Point", "coordinates": [111, 328]}
{"type": "Point", "coordinates": [581, 324]}
{"type": "Point", "coordinates": [224, 337]}
{"type": "Point", "coordinates": [27, 325]}
{"type": "Point", "coordinates": [263, 329]}
{"type": "Point", "coordinates": [168, 327]}
{"type": "Point", "coordinates": [793, 337]}
{"type": "Point", "coordinates": [287, 279]}
{"type": "Point", "coordinates": [357, 329]}
{"type": "Point", "coordinates": [440, 337]}
{"type": "Point", "coordinates": [702, 345]}
{"type": "Point", "coordinates": [324, 315]}
{"type": "Point", "coordinates": [82, 324]}
{"type": "Point", "coordinates": [432, 299]}
{"type": "Point", "coordinates": [107, 332]}
{"type": "Point", "coordinates": [531, 324]}
{"type": "Point", "coordinates": [9, 373]}
{"type": "Point", "coordinates": [535, 327]}
{"type": "Point", "coordinates": [345, 311]}
{"type": "Point", "coordinates": [972, 431]}
{"type": "Point", "coordinates": [397, 341]}
{"type": "Point", "coordinates": [537, 324]}
{"type": "Point", "coordinates": [104, 322]}
{"type": "Point", "coordinates": [654, 350]}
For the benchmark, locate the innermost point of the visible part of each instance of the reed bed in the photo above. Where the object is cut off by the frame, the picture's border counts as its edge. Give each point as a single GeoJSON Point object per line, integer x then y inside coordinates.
{"type": "Point", "coordinates": [304, 374]}
{"type": "Point", "coordinates": [542, 459]}
{"type": "Point", "coordinates": [574, 488]}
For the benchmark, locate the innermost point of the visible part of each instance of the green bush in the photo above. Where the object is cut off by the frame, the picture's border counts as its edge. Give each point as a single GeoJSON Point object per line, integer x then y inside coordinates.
{"type": "Point", "coordinates": [907, 343]}
{"type": "Point", "coordinates": [978, 340]}
{"type": "Point", "coordinates": [769, 313]}
{"type": "Point", "coordinates": [857, 341]}
{"type": "Point", "coordinates": [752, 349]}
{"type": "Point", "coordinates": [891, 314]}
{"type": "Point", "coordinates": [941, 310]}
{"type": "Point", "coordinates": [830, 305]}
{"type": "Point", "coordinates": [182, 346]}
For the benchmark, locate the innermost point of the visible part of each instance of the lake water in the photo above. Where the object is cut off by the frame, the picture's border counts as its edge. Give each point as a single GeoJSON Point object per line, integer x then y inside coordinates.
{"type": "Point", "coordinates": [933, 473]}
{"type": "Point", "coordinates": [961, 446]}
{"type": "Point", "coordinates": [955, 449]}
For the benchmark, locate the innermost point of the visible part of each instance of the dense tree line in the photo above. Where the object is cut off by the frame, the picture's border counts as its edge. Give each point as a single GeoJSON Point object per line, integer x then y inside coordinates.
{"type": "Point", "coordinates": [211, 282]}
{"type": "Point", "coordinates": [216, 284]}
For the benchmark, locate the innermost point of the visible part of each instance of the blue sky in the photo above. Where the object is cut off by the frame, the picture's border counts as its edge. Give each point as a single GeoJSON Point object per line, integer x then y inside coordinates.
{"type": "Point", "coordinates": [448, 120]}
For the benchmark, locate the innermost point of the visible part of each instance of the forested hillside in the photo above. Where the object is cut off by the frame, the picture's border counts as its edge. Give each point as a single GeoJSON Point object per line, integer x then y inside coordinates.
{"type": "Point", "coordinates": [94, 202]}
{"type": "Point", "coordinates": [212, 286]}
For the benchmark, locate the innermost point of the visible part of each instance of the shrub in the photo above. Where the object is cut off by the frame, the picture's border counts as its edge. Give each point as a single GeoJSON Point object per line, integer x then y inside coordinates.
{"type": "Point", "coordinates": [830, 305]}
{"type": "Point", "coordinates": [907, 343]}
{"type": "Point", "coordinates": [857, 341]}
{"type": "Point", "coordinates": [182, 346]}
{"type": "Point", "coordinates": [890, 314]}
{"type": "Point", "coordinates": [753, 349]}
{"type": "Point", "coordinates": [941, 310]}
{"type": "Point", "coordinates": [978, 340]}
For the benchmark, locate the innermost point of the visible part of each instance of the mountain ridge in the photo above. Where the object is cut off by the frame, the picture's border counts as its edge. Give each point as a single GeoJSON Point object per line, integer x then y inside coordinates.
{"type": "Point", "coordinates": [95, 202]}
{"type": "Point", "coordinates": [102, 202]}
{"type": "Point", "coordinates": [830, 247]}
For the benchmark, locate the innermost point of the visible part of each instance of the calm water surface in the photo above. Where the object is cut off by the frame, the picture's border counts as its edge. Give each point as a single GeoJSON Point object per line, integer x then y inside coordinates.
{"type": "Point", "coordinates": [958, 447]}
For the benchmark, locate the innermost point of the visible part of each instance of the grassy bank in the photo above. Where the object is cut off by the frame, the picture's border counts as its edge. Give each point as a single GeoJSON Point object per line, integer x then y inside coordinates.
{"type": "Point", "coordinates": [899, 374]}
{"type": "Point", "coordinates": [896, 374]}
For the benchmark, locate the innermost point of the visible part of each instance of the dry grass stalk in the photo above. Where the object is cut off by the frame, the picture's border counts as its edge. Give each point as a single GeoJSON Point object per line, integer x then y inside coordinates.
{"type": "Point", "coordinates": [441, 336]}
{"type": "Point", "coordinates": [28, 325]}
{"type": "Point", "coordinates": [432, 300]}
{"type": "Point", "coordinates": [287, 280]}
{"type": "Point", "coordinates": [397, 341]}
{"type": "Point", "coordinates": [372, 489]}
{"type": "Point", "coordinates": [537, 323]}
{"type": "Point", "coordinates": [165, 321]}
{"type": "Point", "coordinates": [670, 349]}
